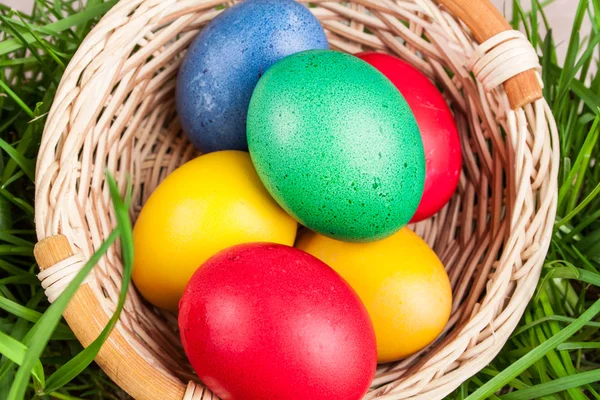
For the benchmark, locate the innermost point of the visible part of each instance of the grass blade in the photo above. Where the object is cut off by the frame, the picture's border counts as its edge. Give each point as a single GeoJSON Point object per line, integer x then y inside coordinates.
{"type": "Point", "coordinates": [9, 24]}
{"type": "Point", "coordinates": [534, 355]}
{"type": "Point", "coordinates": [48, 322]}
{"type": "Point", "coordinates": [15, 351]}
{"type": "Point", "coordinates": [579, 345]}
{"type": "Point", "coordinates": [582, 275]}
{"type": "Point", "coordinates": [88, 14]}
{"type": "Point", "coordinates": [26, 165]}
{"type": "Point", "coordinates": [555, 386]}
{"type": "Point", "coordinates": [16, 98]}
{"type": "Point", "coordinates": [76, 365]}
{"type": "Point", "coordinates": [28, 314]}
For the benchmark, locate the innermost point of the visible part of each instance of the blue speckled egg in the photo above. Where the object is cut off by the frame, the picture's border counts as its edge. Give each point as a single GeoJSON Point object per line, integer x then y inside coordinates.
{"type": "Point", "coordinates": [226, 60]}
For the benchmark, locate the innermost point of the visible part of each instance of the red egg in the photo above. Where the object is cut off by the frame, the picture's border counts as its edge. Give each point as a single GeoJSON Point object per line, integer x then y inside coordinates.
{"type": "Point", "coordinates": [443, 155]}
{"type": "Point", "coordinates": [266, 321]}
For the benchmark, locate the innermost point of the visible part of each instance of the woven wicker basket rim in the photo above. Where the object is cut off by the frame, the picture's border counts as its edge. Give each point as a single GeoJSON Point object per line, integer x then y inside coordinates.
{"type": "Point", "coordinates": [114, 110]}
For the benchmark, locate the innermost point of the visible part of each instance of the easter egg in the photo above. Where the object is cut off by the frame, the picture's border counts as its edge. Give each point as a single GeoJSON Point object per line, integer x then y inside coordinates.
{"type": "Point", "coordinates": [443, 155]}
{"type": "Point", "coordinates": [266, 321]}
{"type": "Point", "coordinates": [400, 280]}
{"type": "Point", "coordinates": [206, 205]}
{"type": "Point", "coordinates": [336, 145]}
{"type": "Point", "coordinates": [223, 64]}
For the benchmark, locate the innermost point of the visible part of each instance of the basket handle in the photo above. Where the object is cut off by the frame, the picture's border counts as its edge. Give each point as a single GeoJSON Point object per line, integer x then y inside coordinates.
{"type": "Point", "coordinates": [51, 251]}
{"type": "Point", "coordinates": [485, 21]}
{"type": "Point", "coordinates": [87, 318]}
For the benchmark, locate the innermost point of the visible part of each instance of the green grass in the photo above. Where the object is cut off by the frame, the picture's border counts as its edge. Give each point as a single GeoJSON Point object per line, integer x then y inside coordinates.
{"type": "Point", "coordinates": [40, 355]}
{"type": "Point", "coordinates": [553, 354]}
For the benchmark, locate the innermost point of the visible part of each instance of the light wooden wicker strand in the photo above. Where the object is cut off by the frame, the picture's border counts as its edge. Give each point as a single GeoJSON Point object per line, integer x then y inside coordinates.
{"type": "Point", "coordinates": [502, 57]}
{"type": "Point", "coordinates": [58, 276]}
{"type": "Point", "coordinates": [114, 110]}
{"type": "Point", "coordinates": [485, 21]}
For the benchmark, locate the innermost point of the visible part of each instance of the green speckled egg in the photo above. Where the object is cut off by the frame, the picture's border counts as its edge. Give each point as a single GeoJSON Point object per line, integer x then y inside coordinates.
{"type": "Point", "coordinates": [336, 145]}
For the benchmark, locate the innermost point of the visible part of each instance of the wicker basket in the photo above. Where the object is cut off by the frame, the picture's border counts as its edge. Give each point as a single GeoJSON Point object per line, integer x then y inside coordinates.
{"type": "Point", "coordinates": [115, 110]}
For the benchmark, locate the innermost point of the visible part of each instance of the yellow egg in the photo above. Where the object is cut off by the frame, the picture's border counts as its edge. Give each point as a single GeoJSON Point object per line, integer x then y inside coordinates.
{"type": "Point", "coordinates": [210, 203]}
{"type": "Point", "coordinates": [400, 280]}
